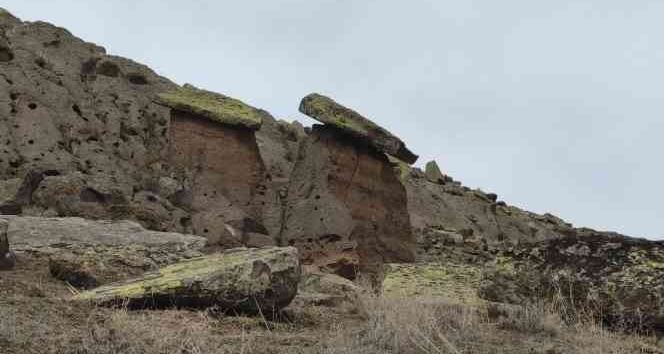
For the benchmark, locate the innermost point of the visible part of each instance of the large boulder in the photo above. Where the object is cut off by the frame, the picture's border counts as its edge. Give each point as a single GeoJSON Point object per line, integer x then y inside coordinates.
{"type": "Point", "coordinates": [87, 252]}
{"type": "Point", "coordinates": [253, 280]}
{"type": "Point", "coordinates": [617, 278]}
{"type": "Point", "coordinates": [327, 111]}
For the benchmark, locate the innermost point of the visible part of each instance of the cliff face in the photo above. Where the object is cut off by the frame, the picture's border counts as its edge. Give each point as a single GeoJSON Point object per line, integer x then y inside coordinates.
{"type": "Point", "coordinates": [89, 134]}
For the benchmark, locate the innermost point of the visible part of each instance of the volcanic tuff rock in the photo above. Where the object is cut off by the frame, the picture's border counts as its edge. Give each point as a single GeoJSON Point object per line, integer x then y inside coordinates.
{"type": "Point", "coordinates": [86, 252]}
{"type": "Point", "coordinates": [84, 133]}
{"type": "Point", "coordinates": [346, 208]}
{"type": "Point", "coordinates": [326, 110]}
{"type": "Point", "coordinates": [89, 134]}
{"type": "Point", "coordinates": [254, 280]}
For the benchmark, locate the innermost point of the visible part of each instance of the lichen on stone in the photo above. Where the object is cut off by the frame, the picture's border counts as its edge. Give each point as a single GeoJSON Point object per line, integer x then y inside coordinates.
{"type": "Point", "coordinates": [454, 282]}
{"type": "Point", "coordinates": [211, 105]}
{"type": "Point", "coordinates": [329, 112]}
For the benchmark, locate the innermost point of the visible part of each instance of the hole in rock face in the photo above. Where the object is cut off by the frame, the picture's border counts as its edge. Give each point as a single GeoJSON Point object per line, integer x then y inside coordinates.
{"type": "Point", "coordinates": [90, 195]}
{"type": "Point", "coordinates": [32, 106]}
{"type": "Point", "coordinates": [6, 54]}
{"type": "Point", "coordinates": [77, 109]}
{"type": "Point", "coordinates": [110, 69]}
{"type": "Point", "coordinates": [137, 79]}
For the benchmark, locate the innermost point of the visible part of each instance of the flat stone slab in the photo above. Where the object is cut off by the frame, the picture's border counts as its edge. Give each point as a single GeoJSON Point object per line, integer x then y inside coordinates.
{"type": "Point", "coordinates": [253, 280]}
{"type": "Point", "coordinates": [327, 111]}
{"type": "Point", "coordinates": [211, 105]}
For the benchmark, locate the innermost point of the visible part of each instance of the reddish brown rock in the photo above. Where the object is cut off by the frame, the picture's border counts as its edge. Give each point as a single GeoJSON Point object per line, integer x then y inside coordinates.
{"type": "Point", "coordinates": [346, 209]}
{"type": "Point", "coordinates": [222, 173]}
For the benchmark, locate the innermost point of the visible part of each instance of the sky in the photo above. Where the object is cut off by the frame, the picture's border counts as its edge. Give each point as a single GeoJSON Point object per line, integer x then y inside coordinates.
{"type": "Point", "coordinates": [556, 106]}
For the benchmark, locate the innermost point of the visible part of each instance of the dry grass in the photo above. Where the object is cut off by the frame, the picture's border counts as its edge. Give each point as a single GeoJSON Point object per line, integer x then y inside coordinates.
{"type": "Point", "coordinates": [35, 319]}
{"type": "Point", "coordinates": [429, 325]}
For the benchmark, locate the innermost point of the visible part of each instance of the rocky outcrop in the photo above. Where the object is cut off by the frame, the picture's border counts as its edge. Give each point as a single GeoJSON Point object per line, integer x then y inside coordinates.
{"type": "Point", "coordinates": [254, 280]}
{"type": "Point", "coordinates": [86, 252]}
{"type": "Point", "coordinates": [346, 209]}
{"type": "Point", "coordinates": [433, 174]}
{"type": "Point", "coordinates": [329, 112]}
{"type": "Point", "coordinates": [616, 278]}
{"type": "Point", "coordinates": [216, 165]}
{"type": "Point", "coordinates": [7, 257]}
{"type": "Point", "coordinates": [461, 220]}
{"type": "Point", "coordinates": [101, 137]}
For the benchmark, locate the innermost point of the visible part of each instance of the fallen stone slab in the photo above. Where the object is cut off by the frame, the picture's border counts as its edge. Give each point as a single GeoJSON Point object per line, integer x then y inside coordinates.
{"type": "Point", "coordinates": [86, 253]}
{"type": "Point", "coordinates": [252, 280]}
{"type": "Point", "coordinates": [327, 111]}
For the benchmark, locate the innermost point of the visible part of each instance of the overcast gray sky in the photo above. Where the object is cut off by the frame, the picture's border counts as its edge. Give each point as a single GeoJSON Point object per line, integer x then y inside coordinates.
{"type": "Point", "coordinates": [554, 105]}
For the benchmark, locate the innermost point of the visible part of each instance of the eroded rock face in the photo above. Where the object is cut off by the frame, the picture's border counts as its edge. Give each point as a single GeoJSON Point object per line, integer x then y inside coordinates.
{"type": "Point", "coordinates": [89, 134]}
{"type": "Point", "coordinates": [616, 278]}
{"type": "Point", "coordinates": [221, 175]}
{"type": "Point", "coordinates": [346, 209]}
{"type": "Point", "coordinates": [253, 280]}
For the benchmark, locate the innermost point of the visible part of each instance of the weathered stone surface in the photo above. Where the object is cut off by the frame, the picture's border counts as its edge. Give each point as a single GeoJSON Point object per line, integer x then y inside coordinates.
{"type": "Point", "coordinates": [485, 226]}
{"type": "Point", "coordinates": [254, 280]}
{"type": "Point", "coordinates": [346, 209]}
{"type": "Point", "coordinates": [84, 135]}
{"type": "Point", "coordinates": [457, 283]}
{"type": "Point", "coordinates": [221, 173]}
{"type": "Point", "coordinates": [327, 111]}
{"type": "Point", "coordinates": [211, 105]}
{"type": "Point", "coordinates": [86, 252]}
{"type": "Point", "coordinates": [433, 174]}
{"type": "Point", "coordinates": [7, 257]}
{"type": "Point", "coordinates": [323, 289]}
{"type": "Point", "coordinates": [620, 279]}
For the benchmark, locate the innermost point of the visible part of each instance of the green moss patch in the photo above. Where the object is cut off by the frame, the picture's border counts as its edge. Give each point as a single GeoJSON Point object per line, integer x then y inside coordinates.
{"type": "Point", "coordinates": [211, 105]}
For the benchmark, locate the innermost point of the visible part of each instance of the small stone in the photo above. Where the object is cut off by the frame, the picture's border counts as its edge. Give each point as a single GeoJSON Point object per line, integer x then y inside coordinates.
{"type": "Point", "coordinates": [433, 174]}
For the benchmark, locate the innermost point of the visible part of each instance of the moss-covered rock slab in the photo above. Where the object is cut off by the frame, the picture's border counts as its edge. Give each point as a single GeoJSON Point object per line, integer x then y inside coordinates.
{"type": "Point", "coordinates": [211, 105]}
{"type": "Point", "coordinates": [251, 280]}
{"type": "Point", "coordinates": [327, 111]}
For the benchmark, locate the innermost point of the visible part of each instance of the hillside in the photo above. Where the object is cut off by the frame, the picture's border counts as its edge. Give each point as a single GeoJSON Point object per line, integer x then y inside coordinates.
{"type": "Point", "coordinates": [108, 170]}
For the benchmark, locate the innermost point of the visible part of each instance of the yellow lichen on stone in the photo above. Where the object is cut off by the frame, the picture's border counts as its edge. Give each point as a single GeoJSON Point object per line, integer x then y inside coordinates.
{"type": "Point", "coordinates": [211, 105]}
{"type": "Point", "coordinates": [454, 282]}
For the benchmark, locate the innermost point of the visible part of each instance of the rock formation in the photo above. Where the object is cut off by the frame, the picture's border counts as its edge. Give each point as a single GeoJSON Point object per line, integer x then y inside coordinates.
{"type": "Point", "coordinates": [253, 280]}
{"type": "Point", "coordinates": [346, 208]}
{"type": "Point", "coordinates": [329, 112]}
{"type": "Point", "coordinates": [91, 135]}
